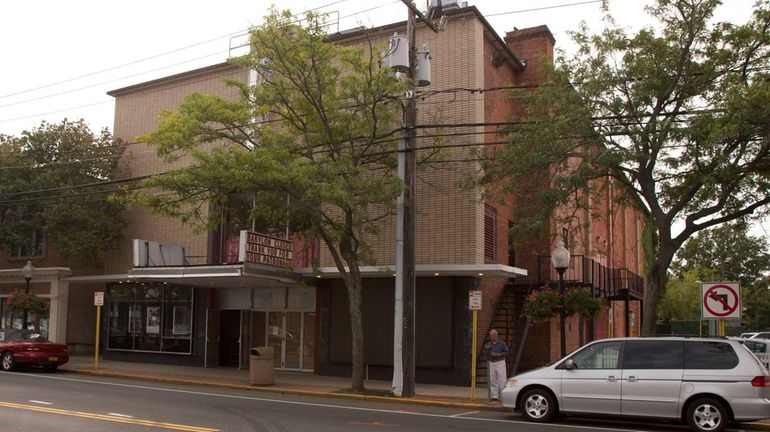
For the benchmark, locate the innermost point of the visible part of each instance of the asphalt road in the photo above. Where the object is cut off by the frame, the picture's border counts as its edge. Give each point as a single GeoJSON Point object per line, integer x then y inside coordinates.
{"type": "Point", "coordinates": [41, 402]}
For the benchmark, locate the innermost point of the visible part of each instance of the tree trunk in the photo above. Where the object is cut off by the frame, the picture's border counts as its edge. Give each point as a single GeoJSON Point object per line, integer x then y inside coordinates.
{"type": "Point", "coordinates": [654, 288]}
{"type": "Point", "coordinates": [354, 288]}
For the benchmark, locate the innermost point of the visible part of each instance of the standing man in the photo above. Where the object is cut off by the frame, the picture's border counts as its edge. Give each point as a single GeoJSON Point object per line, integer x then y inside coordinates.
{"type": "Point", "coordinates": [497, 351]}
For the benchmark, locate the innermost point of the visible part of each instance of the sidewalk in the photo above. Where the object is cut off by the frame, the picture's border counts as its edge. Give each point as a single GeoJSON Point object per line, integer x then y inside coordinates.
{"type": "Point", "coordinates": [298, 383]}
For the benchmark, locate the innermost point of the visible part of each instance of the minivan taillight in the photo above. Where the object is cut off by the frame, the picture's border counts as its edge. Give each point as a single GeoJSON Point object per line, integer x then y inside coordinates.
{"type": "Point", "coordinates": [760, 381]}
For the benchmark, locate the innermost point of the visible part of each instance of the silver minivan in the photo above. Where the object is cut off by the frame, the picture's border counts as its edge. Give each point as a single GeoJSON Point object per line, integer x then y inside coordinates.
{"type": "Point", "coordinates": [703, 382]}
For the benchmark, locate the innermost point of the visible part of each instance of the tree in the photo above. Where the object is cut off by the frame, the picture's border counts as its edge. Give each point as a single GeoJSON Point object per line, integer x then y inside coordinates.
{"type": "Point", "coordinates": [682, 299]}
{"type": "Point", "coordinates": [323, 143]}
{"type": "Point", "coordinates": [729, 250]}
{"type": "Point", "coordinates": [675, 120]}
{"type": "Point", "coordinates": [756, 301]}
{"type": "Point", "coordinates": [52, 181]}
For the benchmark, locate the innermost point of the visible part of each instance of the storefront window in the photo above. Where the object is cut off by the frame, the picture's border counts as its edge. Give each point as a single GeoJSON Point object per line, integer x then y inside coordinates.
{"type": "Point", "coordinates": [144, 317]}
{"type": "Point", "coordinates": [10, 319]}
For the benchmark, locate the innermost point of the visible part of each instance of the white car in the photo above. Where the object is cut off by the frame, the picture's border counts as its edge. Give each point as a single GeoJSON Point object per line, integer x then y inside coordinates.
{"type": "Point", "coordinates": [756, 335]}
{"type": "Point", "coordinates": [760, 348]}
{"type": "Point", "coordinates": [705, 382]}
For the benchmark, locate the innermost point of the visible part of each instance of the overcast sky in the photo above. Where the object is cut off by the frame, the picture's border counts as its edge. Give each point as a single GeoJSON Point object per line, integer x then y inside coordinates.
{"type": "Point", "coordinates": [61, 57]}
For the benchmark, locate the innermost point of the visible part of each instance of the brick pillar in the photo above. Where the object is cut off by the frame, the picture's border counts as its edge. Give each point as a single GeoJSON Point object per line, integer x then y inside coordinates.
{"type": "Point", "coordinates": [533, 45]}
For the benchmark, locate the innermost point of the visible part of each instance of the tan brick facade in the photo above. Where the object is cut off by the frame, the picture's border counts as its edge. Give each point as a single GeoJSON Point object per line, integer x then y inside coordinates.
{"type": "Point", "coordinates": [450, 218]}
{"type": "Point", "coordinates": [136, 113]}
{"type": "Point", "coordinates": [466, 58]}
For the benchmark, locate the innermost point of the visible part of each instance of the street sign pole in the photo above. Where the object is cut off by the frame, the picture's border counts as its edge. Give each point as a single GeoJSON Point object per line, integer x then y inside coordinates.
{"type": "Point", "coordinates": [96, 344]}
{"type": "Point", "coordinates": [473, 355]}
{"type": "Point", "coordinates": [98, 302]}
{"type": "Point", "coordinates": [474, 304]}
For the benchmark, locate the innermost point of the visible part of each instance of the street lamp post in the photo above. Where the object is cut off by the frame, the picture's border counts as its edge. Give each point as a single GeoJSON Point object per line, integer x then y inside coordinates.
{"type": "Point", "coordinates": [560, 257]}
{"type": "Point", "coordinates": [29, 273]}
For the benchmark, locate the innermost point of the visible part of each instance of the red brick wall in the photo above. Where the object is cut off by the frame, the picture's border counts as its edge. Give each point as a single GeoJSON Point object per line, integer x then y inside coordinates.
{"type": "Point", "coordinates": [534, 46]}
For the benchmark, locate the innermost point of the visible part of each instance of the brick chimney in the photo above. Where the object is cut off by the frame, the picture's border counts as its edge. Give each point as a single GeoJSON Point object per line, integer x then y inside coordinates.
{"type": "Point", "coordinates": [533, 45]}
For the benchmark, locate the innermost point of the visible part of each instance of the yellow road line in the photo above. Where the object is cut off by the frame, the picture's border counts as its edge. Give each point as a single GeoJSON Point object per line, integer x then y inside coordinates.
{"type": "Point", "coordinates": [116, 419]}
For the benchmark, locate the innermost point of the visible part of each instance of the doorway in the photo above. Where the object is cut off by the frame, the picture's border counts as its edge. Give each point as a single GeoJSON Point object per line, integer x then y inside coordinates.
{"type": "Point", "coordinates": [291, 334]}
{"type": "Point", "coordinates": [229, 338]}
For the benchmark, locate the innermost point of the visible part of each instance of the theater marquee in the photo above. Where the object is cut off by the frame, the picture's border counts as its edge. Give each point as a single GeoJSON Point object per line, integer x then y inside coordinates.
{"type": "Point", "coordinates": [262, 249]}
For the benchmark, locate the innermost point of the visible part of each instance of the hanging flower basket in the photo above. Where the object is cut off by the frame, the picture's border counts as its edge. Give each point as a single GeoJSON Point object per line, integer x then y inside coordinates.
{"type": "Point", "coordinates": [545, 303]}
{"type": "Point", "coordinates": [21, 302]}
{"type": "Point", "coordinates": [542, 304]}
{"type": "Point", "coordinates": [580, 301]}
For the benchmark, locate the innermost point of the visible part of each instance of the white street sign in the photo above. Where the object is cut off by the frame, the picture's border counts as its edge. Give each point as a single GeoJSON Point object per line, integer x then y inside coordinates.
{"type": "Point", "coordinates": [474, 300]}
{"type": "Point", "coordinates": [721, 300]}
{"type": "Point", "coordinates": [99, 298]}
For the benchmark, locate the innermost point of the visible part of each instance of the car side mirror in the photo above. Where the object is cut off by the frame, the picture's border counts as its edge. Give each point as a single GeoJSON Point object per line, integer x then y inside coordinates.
{"type": "Point", "coordinates": [569, 364]}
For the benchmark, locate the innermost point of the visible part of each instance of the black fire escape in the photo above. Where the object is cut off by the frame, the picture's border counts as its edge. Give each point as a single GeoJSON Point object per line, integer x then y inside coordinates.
{"type": "Point", "coordinates": [611, 284]}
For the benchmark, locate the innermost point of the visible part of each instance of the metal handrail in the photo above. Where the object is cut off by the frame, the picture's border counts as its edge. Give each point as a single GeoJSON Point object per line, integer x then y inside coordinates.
{"type": "Point", "coordinates": [606, 282]}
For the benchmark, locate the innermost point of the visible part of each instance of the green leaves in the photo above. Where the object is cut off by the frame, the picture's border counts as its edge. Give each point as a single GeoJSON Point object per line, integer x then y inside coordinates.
{"type": "Point", "coordinates": [315, 130]}
{"type": "Point", "coordinates": [673, 118]}
{"type": "Point", "coordinates": [43, 173]}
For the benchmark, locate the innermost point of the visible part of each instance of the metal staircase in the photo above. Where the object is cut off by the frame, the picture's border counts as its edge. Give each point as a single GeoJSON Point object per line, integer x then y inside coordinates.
{"type": "Point", "coordinates": [510, 323]}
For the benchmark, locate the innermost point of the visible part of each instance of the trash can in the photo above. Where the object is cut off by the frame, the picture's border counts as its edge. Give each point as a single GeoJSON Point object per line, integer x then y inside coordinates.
{"type": "Point", "coordinates": [261, 365]}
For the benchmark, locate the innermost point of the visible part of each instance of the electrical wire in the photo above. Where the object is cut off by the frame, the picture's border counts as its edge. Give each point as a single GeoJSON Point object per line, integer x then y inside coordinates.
{"type": "Point", "coordinates": [152, 57]}
{"type": "Point", "coordinates": [543, 8]}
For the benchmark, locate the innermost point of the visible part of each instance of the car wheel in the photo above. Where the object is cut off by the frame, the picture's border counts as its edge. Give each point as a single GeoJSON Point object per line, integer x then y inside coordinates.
{"type": "Point", "coordinates": [538, 405]}
{"type": "Point", "coordinates": [50, 368]}
{"type": "Point", "coordinates": [7, 362]}
{"type": "Point", "coordinates": [707, 415]}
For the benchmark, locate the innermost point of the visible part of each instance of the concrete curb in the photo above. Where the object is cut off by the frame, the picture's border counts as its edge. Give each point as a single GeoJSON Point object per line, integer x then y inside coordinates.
{"type": "Point", "coordinates": [326, 394]}
{"type": "Point", "coordinates": [289, 391]}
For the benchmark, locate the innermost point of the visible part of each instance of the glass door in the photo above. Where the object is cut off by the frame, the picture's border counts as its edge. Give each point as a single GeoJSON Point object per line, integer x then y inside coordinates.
{"type": "Point", "coordinates": [275, 329]}
{"type": "Point", "coordinates": [308, 341]}
{"type": "Point", "coordinates": [291, 334]}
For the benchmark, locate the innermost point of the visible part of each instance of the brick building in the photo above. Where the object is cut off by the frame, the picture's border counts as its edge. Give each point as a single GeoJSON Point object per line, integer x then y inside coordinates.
{"type": "Point", "coordinates": [178, 296]}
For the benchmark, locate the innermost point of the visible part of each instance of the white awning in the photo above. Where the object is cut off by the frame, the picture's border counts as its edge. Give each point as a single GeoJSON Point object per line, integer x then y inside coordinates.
{"type": "Point", "coordinates": [218, 276]}
{"type": "Point", "coordinates": [258, 275]}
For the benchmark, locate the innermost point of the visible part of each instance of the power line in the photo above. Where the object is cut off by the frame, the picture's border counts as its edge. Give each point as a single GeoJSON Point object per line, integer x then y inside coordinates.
{"type": "Point", "coordinates": [84, 185]}
{"type": "Point", "coordinates": [142, 60]}
{"type": "Point", "coordinates": [109, 81]}
{"type": "Point", "coordinates": [114, 67]}
{"type": "Point", "coordinates": [443, 146]}
{"type": "Point", "coordinates": [544, 8]}
{"type": "Point", "coordinates": [370, 9]}
{"type": "Point", "coordinates": [56, 112]}
{"type": "Point", "coordinates": [382, 140]}
{"type": "Point", "coordinates": [134, 75]}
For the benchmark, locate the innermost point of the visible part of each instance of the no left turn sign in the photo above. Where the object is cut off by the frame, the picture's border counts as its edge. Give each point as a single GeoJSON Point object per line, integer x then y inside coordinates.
{"type": "Point", "coordinates": [721, 300]}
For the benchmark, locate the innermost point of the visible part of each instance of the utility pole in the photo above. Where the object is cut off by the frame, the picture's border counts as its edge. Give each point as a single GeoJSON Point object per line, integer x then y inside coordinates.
{"type": "Point", "coordinates": [410, 172]}
{"type": "Point", "coordinates": [405, 278]}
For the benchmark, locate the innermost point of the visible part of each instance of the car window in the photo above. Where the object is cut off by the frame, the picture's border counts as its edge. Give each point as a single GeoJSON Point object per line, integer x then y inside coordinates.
{"type": "Point", "coordinates": [602, 355]}
{"type": "Point", "coordinates": [653, 354]}
{"type": "Point", "coordinates": [762, 335]}
{"type": "Point", "coordinates": [709, 355]}
{"type": "Point", "coordinates": [754, 346]}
